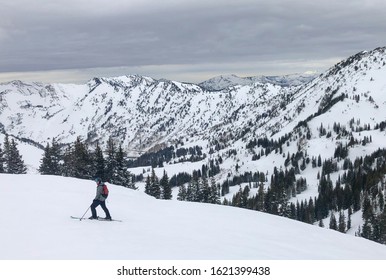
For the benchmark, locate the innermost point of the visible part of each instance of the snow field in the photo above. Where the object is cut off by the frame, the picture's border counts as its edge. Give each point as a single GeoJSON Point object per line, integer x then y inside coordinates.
{"type": "Point", "coordinates": [36, 225]}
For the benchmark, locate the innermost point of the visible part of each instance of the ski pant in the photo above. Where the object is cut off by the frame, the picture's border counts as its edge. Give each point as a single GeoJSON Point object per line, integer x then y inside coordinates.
{"type": "Point", "coordinates": [95, 204]}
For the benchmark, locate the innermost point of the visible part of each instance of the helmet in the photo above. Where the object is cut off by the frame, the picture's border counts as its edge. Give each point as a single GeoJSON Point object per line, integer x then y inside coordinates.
{"type": "Point", "coordinates": [97, 179]}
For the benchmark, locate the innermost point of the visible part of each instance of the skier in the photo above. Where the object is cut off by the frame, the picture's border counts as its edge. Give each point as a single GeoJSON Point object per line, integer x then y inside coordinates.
{"type": "Point", "coordinates": [99, 199]}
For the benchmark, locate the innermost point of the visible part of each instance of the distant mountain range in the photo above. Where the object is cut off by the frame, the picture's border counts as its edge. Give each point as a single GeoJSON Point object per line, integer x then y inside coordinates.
{"type": "Point", "coordinates": [139, 111]}
{"type": "Point", "coordinates": [226, 81]}
{"type": "Point", "coordinates": [144, 113]}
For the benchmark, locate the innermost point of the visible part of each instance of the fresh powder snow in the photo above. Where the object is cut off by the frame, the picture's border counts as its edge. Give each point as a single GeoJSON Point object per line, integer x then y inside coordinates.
{"type": "Point", "coordinates": [36, 225]}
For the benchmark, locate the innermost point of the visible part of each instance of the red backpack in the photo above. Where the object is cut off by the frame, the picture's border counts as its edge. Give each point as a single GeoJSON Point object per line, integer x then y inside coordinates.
{"type": "Point", "coordinates": [105, 191]}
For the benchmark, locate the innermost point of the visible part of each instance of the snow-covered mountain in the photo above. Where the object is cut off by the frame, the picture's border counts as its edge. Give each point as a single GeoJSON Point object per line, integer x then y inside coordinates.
{"type": "Point", "coordinates": [138, 111]}
{"type": "Point", "coordinates": [244, 125]}
{"type": "Point", "coordinates": [142, 112]}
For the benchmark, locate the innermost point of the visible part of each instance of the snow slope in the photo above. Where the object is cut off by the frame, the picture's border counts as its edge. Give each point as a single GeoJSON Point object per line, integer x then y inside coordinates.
{"type": "Point", "coordinates": [36, 224]}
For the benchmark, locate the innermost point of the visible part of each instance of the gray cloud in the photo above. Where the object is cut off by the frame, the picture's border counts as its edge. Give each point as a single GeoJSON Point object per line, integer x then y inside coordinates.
{"type": "Point", "coordinates": [242, 36]}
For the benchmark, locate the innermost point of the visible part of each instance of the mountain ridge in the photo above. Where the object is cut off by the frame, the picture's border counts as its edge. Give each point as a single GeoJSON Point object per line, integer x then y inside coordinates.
{"type": "Point", "coordinates": [135, 102]}
{"type": "Point", "coordinates": [154, 110]}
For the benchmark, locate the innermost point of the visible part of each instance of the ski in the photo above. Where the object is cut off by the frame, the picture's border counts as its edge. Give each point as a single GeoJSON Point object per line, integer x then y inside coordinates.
{"type": "Point", "coordinates": [99, 219]}
{"type": "Point", "coordinates": [78, 218]}
{"type": "Point", "coordinates": [106, 220]}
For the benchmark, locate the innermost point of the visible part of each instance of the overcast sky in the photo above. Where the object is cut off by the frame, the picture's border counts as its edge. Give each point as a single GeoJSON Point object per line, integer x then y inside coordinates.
{"type": "Point", "coordinates": [75, 40]}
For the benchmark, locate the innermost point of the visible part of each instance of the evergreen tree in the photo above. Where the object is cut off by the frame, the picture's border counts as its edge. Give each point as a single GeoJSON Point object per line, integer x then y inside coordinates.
{"type": "Point", "coordinates": [182, 193]}
{"type": "Point", "coordinates": [99, 163]}
{"type": "Point", "coordinates": [245, 196]}
{"type": "Point", "coordinates": [381, 201]}
{"type": "Point", "coordinates": [333, 223]}
{"type": "Point", "coordinates": [237, 198]}
{"type": "Point", "coordinates": [121, 175]}
{"type": "Point", "coordinates": [132, 182]}
{"type": "Point", "coordinates": [148, 186]}
{"type": "Point", "coordinates": [382, 227]}
{"type": "Point", "coordinates": [311, 211]}
{"type": "Point", "coordinates": [20, 167]}
{"type": "Point", "coordinates": [214, 196]}
{"type": "Point", "coordinates": [166, 188]}
{"type": "Point", "coordinates": [68, 162]}
{"type": "Point", "coordinates": [260, 197]}
{"type": "Point", "coordinates": [14, 163]}
{"type": "Point", "coordinates": [366, 230]}
{"type": "Point", "coordinates": [368, 212]}
{"type": "Point", "coordinates": [155, 189]}
{"type": "Point", "coordinates": [376, 230]}
{"type": "Point", "coordinates": [292, 211]}
{"type": "Point", "coordinates": [349, 218]}
{"type": "Point", "coordinates": [342, 222]}
{"type": "Point", "coordinates": [50, 163]}
{"type": "Point", "coordinates": [190, 194]}
{"type": "Point", "coordinates": [319, 161]}
{"type": "Point", "coordinates": [197, 190]}
{"type": "Point", "coordinates": [204, 190]}
{"type": "Point", "coordinates": [119, 170]}
{"type": "Point", "coordinates": [6, 152]}
{"type": "Point", "coordinates": [82, 160]}
{"type": "Point", "coordinates": [111, 163]}
{"type": "Point", "coordinates": [45, 165]}
{"type": "Point", "coordinates": [56, 158]}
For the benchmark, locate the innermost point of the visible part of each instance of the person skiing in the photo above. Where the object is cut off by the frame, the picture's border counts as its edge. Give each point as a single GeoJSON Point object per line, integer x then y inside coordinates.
{"type": "Point", "coordinates": [100, 199]}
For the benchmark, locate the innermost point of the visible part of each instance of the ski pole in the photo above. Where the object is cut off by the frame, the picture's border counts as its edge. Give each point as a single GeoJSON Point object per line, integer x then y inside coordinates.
{"type": "Point", "coordinates": [85, 213]}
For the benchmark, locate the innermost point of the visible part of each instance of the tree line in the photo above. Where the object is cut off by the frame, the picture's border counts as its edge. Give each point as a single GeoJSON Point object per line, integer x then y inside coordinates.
{"type": "Point", "coordinates": [200, 190]}
{"type": "Point", "coordinates": [158, 158]}
{"type": "Point", "coordinates": [79, 161]}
